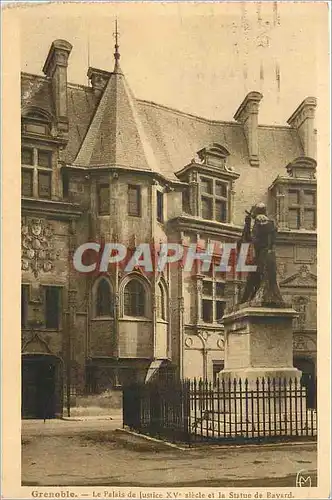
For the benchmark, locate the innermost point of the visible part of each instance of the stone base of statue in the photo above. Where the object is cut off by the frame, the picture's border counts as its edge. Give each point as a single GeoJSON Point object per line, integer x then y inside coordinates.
{"type": "Point", "coordinates": [261, 385]}
{"type": "Point", "coordinates": [259, 344]}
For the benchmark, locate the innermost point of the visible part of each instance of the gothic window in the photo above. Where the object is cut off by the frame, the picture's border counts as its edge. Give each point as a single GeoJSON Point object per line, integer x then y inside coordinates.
{"type": "Point", "coordinates": [213, 295]}
{"type": "Point", "coordinates": [301, 209]}
{"type": "Point", "coordinates": [104, 199]}
{"type": "Point", "coordinates": [104, 299]}
{"type": "Point", "coordinates": [134, 200]}
{"type": "Point", "coordinates": [134, 298]}
{"type": "Point", "coordinates": [36, 165]}
{"type": "Point", "coordinates": [214, 199]}
{"type": "Point", "coordinates": [52, 307]}
{"type": "Point", "coordinates": [161, 302]}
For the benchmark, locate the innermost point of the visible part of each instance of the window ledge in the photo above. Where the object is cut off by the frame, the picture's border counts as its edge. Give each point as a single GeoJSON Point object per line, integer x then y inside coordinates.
{"type": "Point", "coordinates": [46, 330]}
{"type": "Point", "coordinates": [134, 318]}
{"type": "Point", "coordinates": [301, 230]}
{"type": "Point", "coordinates": [214, 326]}
{"type": "Point", "coordinates": [102, 318]}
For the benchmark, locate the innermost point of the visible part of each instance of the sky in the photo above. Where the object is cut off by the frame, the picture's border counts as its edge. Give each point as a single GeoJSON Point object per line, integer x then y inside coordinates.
{"type": "Point", "coordinates": [200, 58]}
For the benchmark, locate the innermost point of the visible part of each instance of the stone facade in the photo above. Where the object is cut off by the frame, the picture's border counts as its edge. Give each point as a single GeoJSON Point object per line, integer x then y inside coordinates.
{"type": "Point", "coordinates": [99, 165]}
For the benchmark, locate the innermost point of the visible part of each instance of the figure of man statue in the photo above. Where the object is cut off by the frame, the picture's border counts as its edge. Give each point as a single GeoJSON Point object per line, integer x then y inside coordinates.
{"type": "Point", "coordinates": [262, 284]}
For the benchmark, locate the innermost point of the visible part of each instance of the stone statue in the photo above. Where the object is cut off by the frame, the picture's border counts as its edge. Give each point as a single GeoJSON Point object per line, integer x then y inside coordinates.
{"type": "Point", "coordinates": [261, 287]}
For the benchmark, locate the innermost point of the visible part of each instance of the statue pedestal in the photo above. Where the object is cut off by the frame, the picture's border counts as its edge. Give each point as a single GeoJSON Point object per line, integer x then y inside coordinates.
{"type": "Point", "coordinates": [261, 389]}
{"type": "Point", "coordinates": [259, 344]}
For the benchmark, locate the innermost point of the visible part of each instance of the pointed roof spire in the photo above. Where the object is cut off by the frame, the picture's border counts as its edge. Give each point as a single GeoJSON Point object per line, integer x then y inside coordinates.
{"type": "Point", "coordinates": [116, 46]}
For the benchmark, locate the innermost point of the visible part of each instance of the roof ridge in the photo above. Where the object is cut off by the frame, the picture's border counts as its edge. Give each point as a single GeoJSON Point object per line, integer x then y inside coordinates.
{"type": "Point", "coordinates": [184, 113]}
{"type": "Point", "coordinates": [202, 118]}
{"type": "Point", "coordinates": [165, 107]}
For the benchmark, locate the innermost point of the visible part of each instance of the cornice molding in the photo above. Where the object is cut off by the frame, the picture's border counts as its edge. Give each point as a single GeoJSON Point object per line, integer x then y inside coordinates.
{"type": "Point", "coordinates": [199, 225]}
{"type": "Point", "coordinates": [49, 208]}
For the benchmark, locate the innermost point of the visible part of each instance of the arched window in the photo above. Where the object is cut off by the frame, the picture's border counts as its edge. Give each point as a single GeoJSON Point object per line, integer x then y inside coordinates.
{"type": "Point", "coordinates": [134, 298]}
{"type": "Point", "coordinates": [104, 299]}
{"type": "Point", "coordinates": [161, 302]}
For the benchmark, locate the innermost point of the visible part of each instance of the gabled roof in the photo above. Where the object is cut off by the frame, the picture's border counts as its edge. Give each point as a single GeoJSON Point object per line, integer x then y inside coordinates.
{"type": "Point", "coordinates": [115, 135]}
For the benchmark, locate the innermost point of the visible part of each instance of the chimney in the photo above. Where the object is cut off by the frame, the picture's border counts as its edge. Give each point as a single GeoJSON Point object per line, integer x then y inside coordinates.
{"type": "Point", "coordinates": [247, 114]}
{"type": "Point", "coordinates": [303, 120]}
{"type": "Point", "coordinates": [55, 68]}
{"type": "Point", "coordinates": [98, 79]}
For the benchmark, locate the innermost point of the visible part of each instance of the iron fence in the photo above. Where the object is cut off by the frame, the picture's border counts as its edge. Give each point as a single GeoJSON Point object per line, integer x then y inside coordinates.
{"type": "Point", "coordinates": [238, 410]}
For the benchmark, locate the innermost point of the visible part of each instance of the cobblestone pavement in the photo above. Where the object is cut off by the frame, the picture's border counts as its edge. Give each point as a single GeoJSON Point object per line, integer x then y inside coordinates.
{"type": "Point", "coordinates": [93, 453]}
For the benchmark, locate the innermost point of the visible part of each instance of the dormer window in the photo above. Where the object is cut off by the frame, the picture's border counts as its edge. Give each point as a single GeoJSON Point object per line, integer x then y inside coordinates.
{"type": "Point", "coordinates": [36, 122]}
{"type": "Point", "coordinates": [214, 155]}
{"type": "Point", "coordinates": [214, 199]}
{"type": "Point", "coordinates": [294, 196]}
{"type": "Point", "coordinates": [36, 172]}
{"type": "Point", "coordinates": [210, 179]}
{"type": "Point", "coordinates": [302, 209]}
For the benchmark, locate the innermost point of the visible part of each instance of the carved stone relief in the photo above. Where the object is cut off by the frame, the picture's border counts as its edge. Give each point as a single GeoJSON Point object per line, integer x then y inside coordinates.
{"type": "Point", "coordinates": [38, 253]}
{"type": "Point", "coordinates": [304, 343]}
{"type": "Point", "coordinates": [221, 343]}
{"type": "Point", "coordinates": [188, 342]}
{"type": "Point", "coordinates": [204, 334]}
{"type": "Point", "coordinates": [282, 270]}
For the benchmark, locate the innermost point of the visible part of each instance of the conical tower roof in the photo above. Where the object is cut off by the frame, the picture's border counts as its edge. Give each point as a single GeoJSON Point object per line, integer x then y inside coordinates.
{"type": "Point", "coordinates": [116, 136]}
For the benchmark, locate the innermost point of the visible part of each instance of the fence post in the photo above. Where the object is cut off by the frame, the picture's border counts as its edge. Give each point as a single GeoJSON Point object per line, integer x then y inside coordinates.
{"type": "Point", "coordinates": [186, 410]}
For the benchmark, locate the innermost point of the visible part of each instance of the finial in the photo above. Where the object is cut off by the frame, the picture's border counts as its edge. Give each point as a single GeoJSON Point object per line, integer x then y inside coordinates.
{"type": "Point", "coordinates": [116, 53]}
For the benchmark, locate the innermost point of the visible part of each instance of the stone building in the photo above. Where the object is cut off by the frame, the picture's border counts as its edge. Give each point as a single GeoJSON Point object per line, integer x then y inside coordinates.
{"type": "Point", "coordinates": [100, 165]}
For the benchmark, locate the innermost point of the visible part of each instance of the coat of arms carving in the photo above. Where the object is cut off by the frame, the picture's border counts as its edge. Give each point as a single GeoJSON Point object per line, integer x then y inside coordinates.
{"type": "Point", "coordinates": [38, 252]}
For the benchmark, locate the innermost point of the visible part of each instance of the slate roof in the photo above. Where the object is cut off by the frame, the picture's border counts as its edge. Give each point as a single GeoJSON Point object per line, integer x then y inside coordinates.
{"type": "Point", "coordinates": [131, 133]}
{"type": "Point", "coordinates": [116, 135]}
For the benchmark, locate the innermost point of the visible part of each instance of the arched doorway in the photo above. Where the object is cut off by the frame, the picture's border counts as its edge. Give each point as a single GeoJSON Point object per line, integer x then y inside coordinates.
{"type": "Point", "coordinates": [42, 391]}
